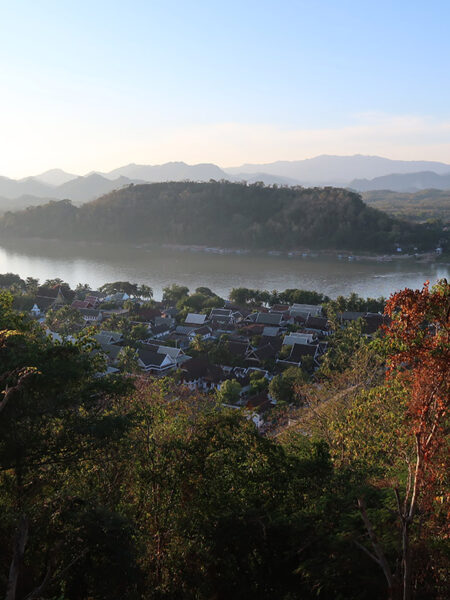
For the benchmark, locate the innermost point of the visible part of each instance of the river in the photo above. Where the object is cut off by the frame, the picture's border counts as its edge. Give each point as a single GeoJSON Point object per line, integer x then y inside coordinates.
{"type": "Point", "coordinates": [99, 263]}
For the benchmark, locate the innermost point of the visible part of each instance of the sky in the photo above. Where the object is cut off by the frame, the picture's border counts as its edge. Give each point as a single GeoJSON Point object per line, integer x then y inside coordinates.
{"type": "Point", "coordinates": [93, 85]}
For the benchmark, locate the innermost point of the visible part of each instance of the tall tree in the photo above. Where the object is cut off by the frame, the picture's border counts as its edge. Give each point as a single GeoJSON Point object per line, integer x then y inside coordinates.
{"type": "Point", "coordinates": [420, 359]}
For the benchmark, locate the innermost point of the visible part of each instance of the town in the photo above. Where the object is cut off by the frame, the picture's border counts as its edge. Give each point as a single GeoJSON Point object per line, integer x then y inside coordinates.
{"type": "Point", "coordinates": [251, 350]}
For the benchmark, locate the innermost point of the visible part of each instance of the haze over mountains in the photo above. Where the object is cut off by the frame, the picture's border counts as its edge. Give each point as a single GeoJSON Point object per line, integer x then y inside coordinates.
{"type": "Point", "coordinates": [361, 173]}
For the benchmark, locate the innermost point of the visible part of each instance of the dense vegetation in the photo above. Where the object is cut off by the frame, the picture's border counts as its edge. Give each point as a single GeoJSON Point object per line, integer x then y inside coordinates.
{"type": "Point", "coordinates": [426, 205]}
{"type": "Point", "coordinates": [224, 214]}
{"type": "Point", "coordinates": [111, 488]}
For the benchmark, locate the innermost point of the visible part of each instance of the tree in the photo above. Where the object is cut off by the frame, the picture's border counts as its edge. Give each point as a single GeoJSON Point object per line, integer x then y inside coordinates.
{"type": "Point", "coordinates": [82, 290]}
{"type": "Point", "coordinates": [124, 287]}
{"type": "Point", "coordinates": [31, 285]}
{"type": "Point", "coordinates": [420, 359]}
{"type": "Point", "coordinates": [145, 291]}
{"type": "Point", "coordinates": [412, 418]}
{"type": "Point", "coordinates": [343, 344]}
{"type": "Point", "coordinates": [240, 295]}
{"type": "Point", "coordinates": [229, 392]}
{"type": "Point", "coordinates": [11, 279]}
{"type": "Point", "coordinates": [174, 293]}
{"type": "Point", "coordinates": [128, 360]}
{"type": "Point", "coordinates": [52, 423]}
{"type": "Point", "coordinates": [55, 282]}
{"type": "Point", "coordinates": [205, 291]}
{"type": "Point", "coordinates": [283, 387]}
{"type": "Point", "coordinates": [258, 382]}
{"type": "Point", "coordinates": [65, 320]}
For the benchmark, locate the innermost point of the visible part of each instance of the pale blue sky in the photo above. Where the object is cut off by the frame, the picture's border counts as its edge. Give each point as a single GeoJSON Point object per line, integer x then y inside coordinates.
{"type": "Point", "coordinates": [94, 85]}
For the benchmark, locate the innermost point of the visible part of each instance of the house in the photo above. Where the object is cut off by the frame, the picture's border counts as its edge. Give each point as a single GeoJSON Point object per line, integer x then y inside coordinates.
{"type": "Point", "coordinates": [93, 300]}
{"type": "Point", "coordinates": [299, 352]}
{"type": "Point", "coordinates": [91, 315]}
{"type": "Point", "coordinates": [160, 331]}
{"type": "Point", "coordinates": [195, 319]}
{"type": "Point", "coordinates": [200, 373]}
{"type": "Point", "coordinates": [114, 337]}
{"type": "Point", "coordinates": [41, 305]}
{"type": "Point", "coordinates": [262, 353]}
{"type": "Point", "coordinates": [176, 354]}
{"type": "Point", "coordinates": [275, 341]}
{"type": "Point", "coordinates": [315, 310]}
{"type": "Point", "coordinates": [221, 313]}
{"type": "Point", "coordinates": [59, 295]}
{"type": "Point", "coordinates": [155, 362]}
{"type": "Point", "coordinates": [280, 308]}
{"type": "Point", "coordinates": [148, 314]}
{"type": "Point", "coordinates": [110, 351]}
{"type": "Point", "coordinates": [204, 332]}
{"type": "Point", "coordinates": [191, 332]}
{"type": "Point", "coordinates": [256, 407]}
{"type": "Point", "coordinates": [373, 322]}
{"type": "Point", "coordinates": [49, 297]}
{"type": "Point", "coordinates": [271, 331]}
{"type": "Point", "coordinates": [273, 319]}
{"type": "Point", "coordinates": [56, 337]}
{"type": "Point", "coordinates": [117, 298]}
{"type": "Point", "coordinates": [298, 338]}
{"type": "Point", "coordinates": [320, 325]}
{"type": "Point", "coordinates": [180, 341]}
{"type": "Point", "coordinates": [81, 304]}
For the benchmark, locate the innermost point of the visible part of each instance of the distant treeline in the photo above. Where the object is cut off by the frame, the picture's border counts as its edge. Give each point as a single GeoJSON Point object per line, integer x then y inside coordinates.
{"type": "Point", "coordinates": [426, 205]}
{"type": "Point", "coordinates": [224, 214]}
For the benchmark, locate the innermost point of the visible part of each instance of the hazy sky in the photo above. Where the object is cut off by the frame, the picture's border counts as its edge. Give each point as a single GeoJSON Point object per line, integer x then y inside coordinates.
{"type": "Point", "coordinates": [98, 84]}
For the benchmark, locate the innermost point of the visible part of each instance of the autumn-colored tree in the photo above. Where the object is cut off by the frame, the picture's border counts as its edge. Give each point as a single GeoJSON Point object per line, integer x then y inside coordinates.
{"type": "Point", "coordinates": [419, 361]}
{"type": "Point", "coordinates": [420, 335]}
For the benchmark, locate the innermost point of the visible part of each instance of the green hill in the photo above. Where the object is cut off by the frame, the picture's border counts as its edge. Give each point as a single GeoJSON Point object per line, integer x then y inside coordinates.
{"type": "Point", "coordinates": [418, 207]}
{"type": "Point", "coordinates": [223, 214]}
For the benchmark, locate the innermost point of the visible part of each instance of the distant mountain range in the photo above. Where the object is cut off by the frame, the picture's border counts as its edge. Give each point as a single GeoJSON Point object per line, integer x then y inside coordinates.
{"type": "Point", "coordinates": [361, 173]}
{"type": "Point", "coordinates": [339, 170]}
{"type": "Point", "coordinates": [403, 182]}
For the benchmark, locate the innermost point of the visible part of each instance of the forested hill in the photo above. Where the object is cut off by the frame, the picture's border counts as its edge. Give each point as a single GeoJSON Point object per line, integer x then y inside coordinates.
{"type": "Point", "coordinates": [223, 214]}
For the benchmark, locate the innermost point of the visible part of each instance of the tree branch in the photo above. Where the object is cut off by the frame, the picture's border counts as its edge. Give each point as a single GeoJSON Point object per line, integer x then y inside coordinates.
{"type": "Point", "coordinates": [376, 546]}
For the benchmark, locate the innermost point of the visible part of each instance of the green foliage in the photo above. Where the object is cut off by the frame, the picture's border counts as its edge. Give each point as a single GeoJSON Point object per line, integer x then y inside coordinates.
{"type": "Point", "coordinates": [124, 287]}
{"type": "Point", "coordinates": [143, 490]}
{"type": "Point", "coordinates": [224, 214]}
{"type": "Point", "coordinates": [419, 207]}
{"type": "Point", "coordinates": [283, 387]}
{"type": "Point", "coordinates": [128, 360]}
{"type": "Point", "coordinates": [258, 382]}
{"type": "Point", "coordinates": [229, 392]}
{"type": "Point", "coordinates": [342, 346]}
{"type": "Point", "coordinates": [9, 279]}
{"type": "Point", "coordinates": [355, 303]}
{"type": "Point", "coordinates": [65, 320]}
{"type": "Point", "coordinates": [174, 293]}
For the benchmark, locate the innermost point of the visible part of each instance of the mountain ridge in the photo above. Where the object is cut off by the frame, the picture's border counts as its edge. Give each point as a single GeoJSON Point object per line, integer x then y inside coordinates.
{"type": "Point", "coordinates": [358, 172]}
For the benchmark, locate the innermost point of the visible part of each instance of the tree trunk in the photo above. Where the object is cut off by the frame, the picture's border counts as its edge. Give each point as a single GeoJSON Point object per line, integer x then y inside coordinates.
{"type": "Point", "coordinates": [406, 562]}
{"type": "Point", "coordinates": [379, 557]}
{"type": "Point", "coordinates": [20, 542]}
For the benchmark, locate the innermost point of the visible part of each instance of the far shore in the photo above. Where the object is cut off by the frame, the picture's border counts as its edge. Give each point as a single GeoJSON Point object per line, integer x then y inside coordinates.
{"type": "Point", "coordinates": [299, 253]}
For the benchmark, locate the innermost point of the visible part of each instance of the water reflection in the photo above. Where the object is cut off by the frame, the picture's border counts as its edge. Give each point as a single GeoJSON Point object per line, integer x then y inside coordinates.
{"type": "Point", "coordinates": [95, 264]}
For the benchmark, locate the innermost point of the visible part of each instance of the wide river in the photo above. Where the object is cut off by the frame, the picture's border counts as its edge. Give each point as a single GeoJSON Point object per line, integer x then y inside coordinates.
{"type": "Point", "coordinates": [96, 264]}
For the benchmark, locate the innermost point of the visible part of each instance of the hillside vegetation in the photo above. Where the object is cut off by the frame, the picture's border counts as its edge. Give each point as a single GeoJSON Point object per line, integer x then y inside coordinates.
{"type": "Point", "coordinates": [223, 214]}
{"type": "Point", "coordinates": [418, 207]}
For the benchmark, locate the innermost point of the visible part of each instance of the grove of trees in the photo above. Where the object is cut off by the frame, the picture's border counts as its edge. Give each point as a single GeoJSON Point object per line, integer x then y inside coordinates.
{"type": "Point", "coordinates": [115, 488]}
{"type": "Point", "coordinates": [225, 214]}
